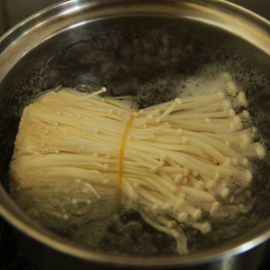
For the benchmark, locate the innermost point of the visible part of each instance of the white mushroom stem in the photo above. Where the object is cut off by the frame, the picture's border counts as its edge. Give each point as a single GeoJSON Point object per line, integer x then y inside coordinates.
{"type": "Point", "coordinates": [229, 113]}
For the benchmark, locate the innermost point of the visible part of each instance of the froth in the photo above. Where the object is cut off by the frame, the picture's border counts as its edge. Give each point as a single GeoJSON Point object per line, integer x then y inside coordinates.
{"type": "Point", "coordinates": [208, 82]}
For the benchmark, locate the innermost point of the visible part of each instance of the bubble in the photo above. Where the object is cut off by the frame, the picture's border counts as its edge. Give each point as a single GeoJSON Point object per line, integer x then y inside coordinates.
{"type": "Point", "coordinates": [55, 201]}
{"type": "Point", "coordinates": [79, 205]}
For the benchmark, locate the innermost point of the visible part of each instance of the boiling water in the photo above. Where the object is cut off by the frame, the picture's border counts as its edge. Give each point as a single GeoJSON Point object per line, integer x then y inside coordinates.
{"type": "Point", "coordinates": [151, 67]}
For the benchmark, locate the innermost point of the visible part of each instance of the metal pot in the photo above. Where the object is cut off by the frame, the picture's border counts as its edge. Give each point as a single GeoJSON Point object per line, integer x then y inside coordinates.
{"type": "Point", "coordinates": [215, 22]}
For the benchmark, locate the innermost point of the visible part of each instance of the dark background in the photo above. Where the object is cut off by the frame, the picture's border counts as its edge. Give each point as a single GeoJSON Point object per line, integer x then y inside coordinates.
{"type": "Point", "coordinates": [11, 13]}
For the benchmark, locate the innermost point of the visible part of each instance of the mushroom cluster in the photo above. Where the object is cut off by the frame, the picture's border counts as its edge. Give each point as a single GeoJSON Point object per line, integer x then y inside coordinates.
{"type": "Point", "coordinates": [175, 163]}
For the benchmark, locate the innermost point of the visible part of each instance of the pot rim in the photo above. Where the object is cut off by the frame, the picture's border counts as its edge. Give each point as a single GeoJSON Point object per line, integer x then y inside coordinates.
{"type": "Point", "coordinates": [11, 212]}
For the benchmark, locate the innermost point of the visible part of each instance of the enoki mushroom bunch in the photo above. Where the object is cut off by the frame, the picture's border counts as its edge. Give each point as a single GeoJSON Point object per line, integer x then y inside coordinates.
{"type": "Point", "coordinates": [174, 163]}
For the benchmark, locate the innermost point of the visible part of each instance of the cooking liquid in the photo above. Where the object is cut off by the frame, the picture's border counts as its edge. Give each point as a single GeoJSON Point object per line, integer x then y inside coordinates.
{"type": "Point", "coordinates": [126, 65]}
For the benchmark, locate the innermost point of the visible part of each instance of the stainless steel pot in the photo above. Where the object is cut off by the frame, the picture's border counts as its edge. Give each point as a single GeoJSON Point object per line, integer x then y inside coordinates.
{"type": "Point", "coordinates": [215, 22]}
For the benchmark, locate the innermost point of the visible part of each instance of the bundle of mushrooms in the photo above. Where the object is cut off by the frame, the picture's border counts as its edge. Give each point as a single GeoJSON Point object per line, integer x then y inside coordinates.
{"type": "Point", "coordinates": [175, 163]}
